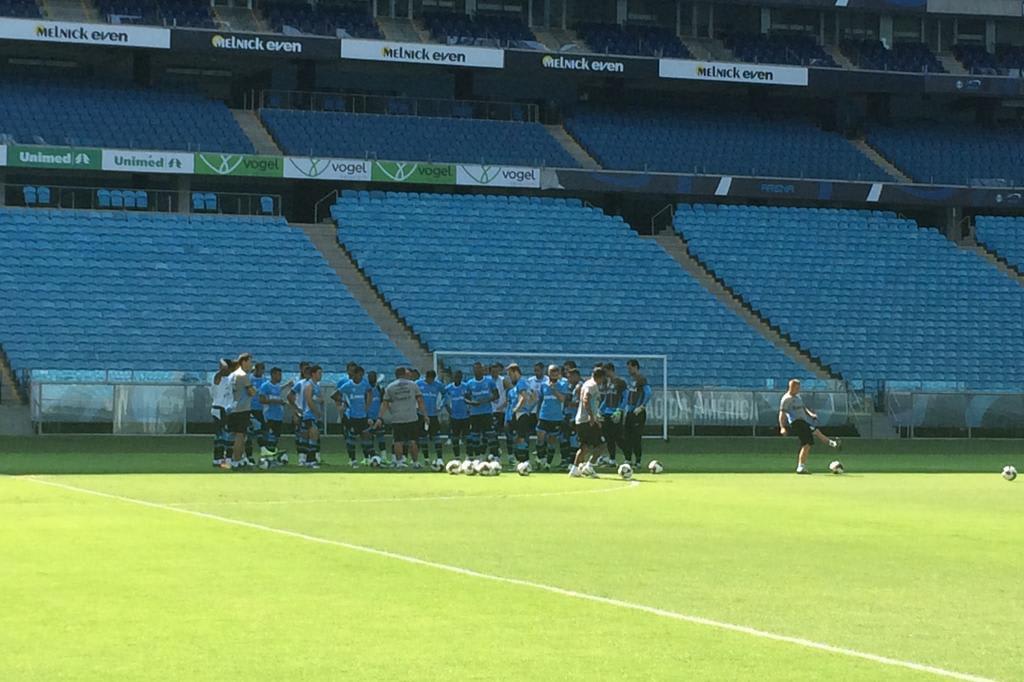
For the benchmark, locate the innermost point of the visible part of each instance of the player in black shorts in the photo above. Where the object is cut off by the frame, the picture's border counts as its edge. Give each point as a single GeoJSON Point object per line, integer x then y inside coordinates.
{"type": "Point", "coordinates": [796, 418]}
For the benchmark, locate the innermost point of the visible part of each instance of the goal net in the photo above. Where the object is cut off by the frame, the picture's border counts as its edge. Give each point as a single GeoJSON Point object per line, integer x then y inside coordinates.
{"type": "Point", "coordinates": [654, 367]}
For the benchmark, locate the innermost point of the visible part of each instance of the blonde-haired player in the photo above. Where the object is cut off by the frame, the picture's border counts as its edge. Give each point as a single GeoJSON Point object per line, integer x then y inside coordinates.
{"type": "Point", "coordinates": [796, 417]}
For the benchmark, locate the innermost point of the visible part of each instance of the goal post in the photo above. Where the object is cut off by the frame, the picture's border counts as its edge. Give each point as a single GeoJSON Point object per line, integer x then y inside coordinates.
{"type": "Point", "coordinates": [655, 367]}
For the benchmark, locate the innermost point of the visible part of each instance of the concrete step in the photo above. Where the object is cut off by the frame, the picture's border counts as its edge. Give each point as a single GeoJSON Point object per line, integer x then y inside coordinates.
{"type": "Point", "coordinates": [573, 147]}
{"type": "Point", "coordinates": [240, 19]}
{"type": "Point", "coordinates": [254, 130]}
{"type": "Point", "coordinates": [555, 39]}
{"type": "Point", "coordinates": [399, 30]}
{"type": "Point", "coordinates": [11, 392]}
{"type": "Point", "coordinates": [997, 261]}
{"type": "Point", "coordinates": [885, 164]}
{"type": "Point", "coordinates": [676, 247]}
{"type": "Point", "coordinates": [15, 420]}
{"type": "Point", "coordinates": [838, 55]}
{"type": "Point", "coordinates": [698, 48]}
{"type": "Point", "coordinates": [421, 31]}
{"type": "Point", "coordinates": [951, 64]}
{"type": "Point", "coordinates": [70, 10]}
{"type": "Point", "coordinates": [325, 238]}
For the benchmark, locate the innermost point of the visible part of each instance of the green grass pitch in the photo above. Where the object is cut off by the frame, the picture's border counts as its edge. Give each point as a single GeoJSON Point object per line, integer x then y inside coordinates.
{"type": "Point", "coordinates": [130, 559]}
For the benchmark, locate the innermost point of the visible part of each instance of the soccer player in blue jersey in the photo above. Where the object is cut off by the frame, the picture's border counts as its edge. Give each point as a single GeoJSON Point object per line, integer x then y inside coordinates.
{"type": "Point", "coordinates": [257, 424]}
{"type": "Point", "coordinates": [431, 389]}
{"type": "Point", "coordinates": [455, 402]}
{"type": "Point", "coordinates": [312, 415]}
{"type": "Point", "coordinates": [638, 395]}
{"type": "Point", "coordinates": [353, 397]}
{"type": "Point", "coordinates": [272, 406]}
{"type": "Point", "coordinates": [550, 414]}
{"type": "Point", "coordinates": [523, 401]}
{"type": "Point", "coordinates": [480, 394]}
{"type": "Point", "coordinates": [613, 395]}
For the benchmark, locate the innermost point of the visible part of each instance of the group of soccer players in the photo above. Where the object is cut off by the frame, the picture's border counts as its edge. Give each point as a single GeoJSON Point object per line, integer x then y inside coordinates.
{"type": "Point", "coordinates": [581, 421]}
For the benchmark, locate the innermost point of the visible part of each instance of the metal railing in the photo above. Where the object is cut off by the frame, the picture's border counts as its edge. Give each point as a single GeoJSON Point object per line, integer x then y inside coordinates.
{"type": "Point", "coordinates": [399, 105]}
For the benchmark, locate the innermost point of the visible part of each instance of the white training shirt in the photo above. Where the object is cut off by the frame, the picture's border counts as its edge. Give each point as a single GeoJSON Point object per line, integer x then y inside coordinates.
{"type": "Point", "coordinates": [793, 406]}
{"type": "Point", "coordinates": [590, 391]}
{"type": "Point", "coordinates": [499, 404]}
{"type": "Point", "coordinates": [222, 393]}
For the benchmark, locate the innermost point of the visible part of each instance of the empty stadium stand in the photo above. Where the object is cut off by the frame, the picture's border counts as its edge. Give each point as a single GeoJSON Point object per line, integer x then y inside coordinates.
{"type": "Point", "coordinates": [494, 30]}
{"type": "Point", "coordinates": [908, 56]}
{"type": "Point", "coordinates": [33, 112]}
{"type": "Point", "coordinates": [1003, 236]}
{"type": "Point", "coordinates": [23, 9]}
{"type": "Point", "coordinates": [321, 19]}
{"type": "Point", "coordinates": [873, 295]}
{"type": "Point", "coordinates": [578, 280]}
{"type": "Point", "coordinates": [956, 154]}
{"type": "Point", "coordinates": [414, 138]}
{"type": "Point", "coordinates": [643, 41]}
{"type": "Point", "coordinates": [184, 13]}
{"type": "Point", "coordinates": [101, 290]}
{"type": "Point", "coordinates": [717, 142]}
{"type": "Point", "coordinates": [777, 48]}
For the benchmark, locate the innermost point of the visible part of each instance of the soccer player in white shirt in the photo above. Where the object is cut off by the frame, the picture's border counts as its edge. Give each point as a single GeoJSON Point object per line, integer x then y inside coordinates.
{"type": "Point", "coordinates": [797, 418]}
{"type": "Point", "coordinates": [588, 422]}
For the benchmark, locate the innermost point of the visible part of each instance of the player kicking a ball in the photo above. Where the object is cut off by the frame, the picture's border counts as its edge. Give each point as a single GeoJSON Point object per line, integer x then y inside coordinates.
{"type": "Point", "coordinates": [796, 417]}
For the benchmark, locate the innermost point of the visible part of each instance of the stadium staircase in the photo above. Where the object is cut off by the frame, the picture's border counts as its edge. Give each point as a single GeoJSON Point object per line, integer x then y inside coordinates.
{"type": "Point", "coordinates": [575, 150]}
{"type": "Point", "coordinates": [998, 262]}
{"type": "Point", "coordinates": [676, 247]}
{"type": "Point", "coordinates": [325, 238]}
{"type": "Point", "coordinates": [15, 413]}
{"type": "Point", "coordinates": [951, 64]}
{"type": "Point", "coordinates": [253, 128]}
{"type": "Point", "coordinates": [555, 38]}
{"type": "Point", "coordinates": [876, 158]}
{"type": "Point", "coordinates": [69, 10]}
{"type": "Point", "coordinates": [239, 19]}
{"type": "Point", "coordinates": [399, 30]}
{"type": "Point", "coordinates": [838, 56]}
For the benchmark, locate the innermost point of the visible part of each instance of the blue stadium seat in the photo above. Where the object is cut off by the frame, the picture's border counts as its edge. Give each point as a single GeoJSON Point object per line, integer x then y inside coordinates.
{"type": "Point", "coordinates": [1004, 236]}
{"type": "Point", "coordinates": [210, 201]}
{"type": "Point", "coordinates": [30, 196]}
{"type": "Point", "coordinates": [150, 295]}
{"type": "Point", "coordinates": [465, 278]}
{"type": "Point", "coordinates": [267, 205]}
{"type": "Point", "coordinates": [873, 295]}
{"type": "Point", "coordinates": [198, 202]}
{"type": "Point", "coordinates": [103, 198]}
{"type": "Point", "coordinates": [142, 200]}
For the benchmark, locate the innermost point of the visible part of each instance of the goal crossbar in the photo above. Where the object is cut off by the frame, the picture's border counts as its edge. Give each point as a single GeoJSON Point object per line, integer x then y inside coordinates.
{"type": "Point", "coordinates": [439, 354]}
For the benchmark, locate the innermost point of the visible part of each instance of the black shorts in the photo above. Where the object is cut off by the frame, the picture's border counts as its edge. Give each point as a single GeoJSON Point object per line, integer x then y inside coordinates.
{"type": "Point", "coordinates": [590, 434]}
{"type": "Point", "coordinates": [433, 426]}
{"type": "Point", "coordinates": [310, 423]}
{"type": "Point", "coordinates": [636, 420]}
{"type": "Point", "coordinates": [258, 416]}
{"type": "Point", "coordinates": [238, 422]}
{"type": "Point", "coordinates": [803, 431]}
{"type": "Point", "coordinates": [549, 427]}
{"type": "Point", "coordinates": [498, 421]}
{"type": "Point", "coordinates": [220, 416]}
{"type": "Point", "coordinates": [524, 425]}
{"type": "Point", "coordinates": [355, 425]}
{"type": "Point", "coordinates": [274, 426]}
{"type": "Point", "coordinates": [480, 423]}
{"type": "Point", "coordinates": [459, 427]}
{"type": "Point", "coordinates": [345, 423]}
{"type": "Point", "coordinates": [407, 432]}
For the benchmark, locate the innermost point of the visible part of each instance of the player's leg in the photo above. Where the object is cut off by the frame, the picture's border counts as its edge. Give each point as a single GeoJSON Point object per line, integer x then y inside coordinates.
{"type": "Point", "coordinates": [457, 429]}
{"type": "Point", "coordinates": [510, 440]}
{"type": "Point", "coordinates": [523, 427]}
{"type": "Point", "coordinates": [313, 444]}
{"type": "Point", "coordinates": [803, 431]}
{"type": "Point", "coordinates": [353, 437]}
{"type": "Point", "coordinates": [610, 431]}
{"type": "Point", "coordinates": [542, 443]}
{"type": "Point", "coordinates": [217, 414]}
{"type": "Point", "coordinates": [554, 438]}
{"type": "Point", "coordinates": [831, 442]}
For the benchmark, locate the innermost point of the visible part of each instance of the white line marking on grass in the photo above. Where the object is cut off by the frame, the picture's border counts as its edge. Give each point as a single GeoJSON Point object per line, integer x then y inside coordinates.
{"type": "Point", "coordinates": [563, 493]}
{"type": "Point", "coordinates": [608, 601]}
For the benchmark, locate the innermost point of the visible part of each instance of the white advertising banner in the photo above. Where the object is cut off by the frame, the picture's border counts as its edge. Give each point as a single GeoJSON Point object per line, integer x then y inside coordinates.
{"type": "Point", "coordinates": [72, 33]}
{"type": "Point", "coordinates": [312, 168]}
{"type": "Point", "coordinates": [756, 74]}
{"type": "Point", "coordinates": [497, 176]}
{"type": "Point", "coordinates": [132, 161]}
{"type": "Point", "coordinates": [423, 53]}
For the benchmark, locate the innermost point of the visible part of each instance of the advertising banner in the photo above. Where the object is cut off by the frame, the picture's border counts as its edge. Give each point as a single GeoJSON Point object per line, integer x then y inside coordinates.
{"type": "Point", "coordinates": [582, 64]}
{"type": "Point", "coordinates": [221, 42]}
{"type": "Point", "coordinates": [423, 53]}
{"type": "Point", "coordinates": [726, 72]}
{"type": "Point", "coordinates": [497, 176]}
{"type": "Point", "coordinates": [64, 158]}
{"type": "Point", "coordinates": [73, 33]}
{"type": "Point", "coordinates": [418, 173]}
{"type": "Point", "coordinates": [248, 165]}
{"type": "Point", "coordinates": [313, 168]}
{"type": "Point", "coordinates": [131, 161]}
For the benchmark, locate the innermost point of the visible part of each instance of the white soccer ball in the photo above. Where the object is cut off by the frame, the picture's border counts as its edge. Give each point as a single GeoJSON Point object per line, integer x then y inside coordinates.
{"type": "Point", "coordinates": [482, 468]}
{"type": "Point", "coordinates": [438, 465]}
{"type": "Point", "coordinates": [836, 467]}
{"type": "Point", "coordinates": [626, 471]}
{"type": "Point", "coordinates": [264, 463]}
{"type": "Point", "coordinates": [523, 469]}
{"type": "Point", "coordinates": [453, 467]}
{"type": "Point", "coordinates": [655, 467]}
{"type": "Point", "coordinates": [495, 466]}
{"type": "Point", "coordinates": [1009, 472]}
{"type": "Point", "coordinates": [376, 461]}
{"type": "Point", "coordinates": [576, 472]}
{"type": "Point", "coordinates": [469, 467]}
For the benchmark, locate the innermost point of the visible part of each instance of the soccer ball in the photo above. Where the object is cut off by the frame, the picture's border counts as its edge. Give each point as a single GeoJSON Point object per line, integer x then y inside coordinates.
{"type": "Point", "coordinates": [482, 468]}
{"type": "Point", "coordinates": [265, 463]}
{"type": "Point", "coordinates": [438, 465]}
{"type": "Point", "coordinates": [626, 471]}
{"type": "Point", "coordinates": [655, 467]}
{"type": "Point", "coordinates": [523, 468]}
{"type": "Point", "coordinates": [376, 461]}
{"type": "Point", "coordinates": [495, 468]}
{"type": "Point", "coordinates": [469, 467]}
{"type": "Point", "coordinates": [588, 470]}
{"type": "Point", "coordinates": [453, 467]}
{"type": "Point", "coordinates": [1009, 472]}
{"type": "Point", "coordinates": [836, 467]}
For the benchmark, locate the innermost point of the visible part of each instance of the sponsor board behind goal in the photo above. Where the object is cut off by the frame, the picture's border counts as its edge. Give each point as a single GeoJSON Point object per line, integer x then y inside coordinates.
{"type": "Point", "coordinates": [74, 33]}
{"type": "Point", "coordinates": [727, 72]}
{"type": "Point", "coordinates": [423, 53]}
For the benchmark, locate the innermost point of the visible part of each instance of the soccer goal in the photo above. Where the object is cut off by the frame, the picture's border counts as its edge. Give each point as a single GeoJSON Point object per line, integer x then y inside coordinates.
{"type": "Point", "coordinates": [654, 367]}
